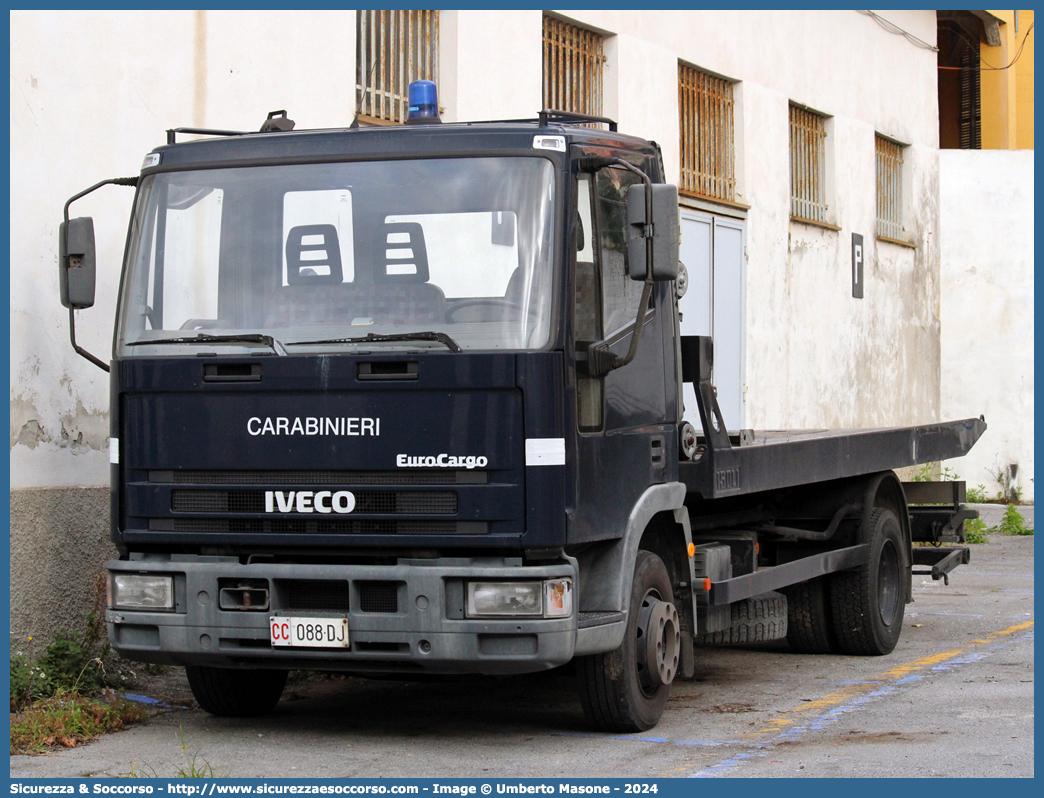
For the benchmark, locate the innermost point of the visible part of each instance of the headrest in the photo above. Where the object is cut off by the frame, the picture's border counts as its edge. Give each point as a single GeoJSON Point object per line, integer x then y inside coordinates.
{"type": "Point", "coordinates": [401, 254]}
{"type": "Point", "coordinates": [302, 271]}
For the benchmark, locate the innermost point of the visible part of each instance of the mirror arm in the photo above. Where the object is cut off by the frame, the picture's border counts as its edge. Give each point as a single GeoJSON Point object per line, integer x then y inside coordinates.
{"type": "Point", "coordinates": [117, 181]}
{"type": "Point", "coordinates": [80, 350]}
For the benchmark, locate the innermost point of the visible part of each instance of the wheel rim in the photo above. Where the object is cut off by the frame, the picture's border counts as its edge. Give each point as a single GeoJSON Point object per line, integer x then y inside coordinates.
{"type": "Point", "coordinates": [658, 643]}
{"type": "Point", "coordinates": [888, 582]}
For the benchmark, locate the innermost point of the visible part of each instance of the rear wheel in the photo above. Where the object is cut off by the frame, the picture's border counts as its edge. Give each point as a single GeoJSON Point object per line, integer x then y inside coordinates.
{"type": "Point", "coordinates": [754, 620]}
{"type": "Point", "coordinates": [626, 690]}
{"type": "Point", "coordinates": [809, 628]}
{"type": "Point", "coordinates": [868, 603]}
{"type": "Point", "coordinates": [235, 693]}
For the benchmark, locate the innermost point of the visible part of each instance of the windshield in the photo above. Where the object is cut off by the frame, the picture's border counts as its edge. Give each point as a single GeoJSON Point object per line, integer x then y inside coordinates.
{"type": "Point", "coordinates": [342, 256]}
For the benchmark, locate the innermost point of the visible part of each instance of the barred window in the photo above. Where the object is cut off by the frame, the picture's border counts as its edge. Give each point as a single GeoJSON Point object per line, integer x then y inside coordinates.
{"type": "Point", "coordinates": [573, 62]}
{"type": "Point", "coordinates": [394, 48]}
{"type": "Point", "coordinates": [889, 188]}
{"type": "Point", "coordinates": [807, 165]}
{"type": "Point", "coordinates": [708, 147]}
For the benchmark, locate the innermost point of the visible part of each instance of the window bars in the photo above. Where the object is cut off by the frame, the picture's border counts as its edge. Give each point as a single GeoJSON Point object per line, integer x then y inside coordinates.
{"type": "Point", "coordinates": [970, 120]}
{"type": "Point", "coordinates": [889, 188]}
{"type": "Point", "coordinates": [573, 62]}
{"type": "Point", "coordinates": [807, 165]}
{"type": "Point", "coordinates": [394, 49]}
{"type": "Point", "coordinates": [708, 147]}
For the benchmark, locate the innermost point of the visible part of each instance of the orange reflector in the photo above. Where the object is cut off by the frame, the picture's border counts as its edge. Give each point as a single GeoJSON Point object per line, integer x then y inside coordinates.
{"type": "Point", "coordinates": [707, 585]}
{"type": "Point", "coordinates": [757, 548]}
{"type": "Point", "coordinates": [692, 549]}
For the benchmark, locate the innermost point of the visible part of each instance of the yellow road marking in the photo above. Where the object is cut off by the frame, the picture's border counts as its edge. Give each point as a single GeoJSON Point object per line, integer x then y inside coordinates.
{"type": "Point", "coordinates": [791, 716]}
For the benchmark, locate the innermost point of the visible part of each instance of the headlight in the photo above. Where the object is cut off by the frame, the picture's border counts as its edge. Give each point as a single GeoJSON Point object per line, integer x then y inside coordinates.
{"type": "Point", "coordinates": [142, 591]}
{"type": "Point", "coordinates": [548, 599]}
{"type": "Point", "coordinates": [505, 598]}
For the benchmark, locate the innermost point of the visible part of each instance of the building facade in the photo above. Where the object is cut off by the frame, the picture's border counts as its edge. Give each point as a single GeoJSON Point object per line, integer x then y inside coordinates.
{"type": "Point", "coordinates": [986, 188]}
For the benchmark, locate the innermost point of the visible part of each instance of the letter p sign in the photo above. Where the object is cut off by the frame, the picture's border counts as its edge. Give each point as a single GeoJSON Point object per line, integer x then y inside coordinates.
{"type": "Point", "coordinates": [857, 266]}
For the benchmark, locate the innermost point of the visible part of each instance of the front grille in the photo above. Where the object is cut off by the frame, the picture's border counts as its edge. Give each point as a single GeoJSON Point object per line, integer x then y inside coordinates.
{"type": "Point", "coordinates": [316, 526]}
{"type": "Point", "coordinates": [378, 596]}
{"type": "Point", "coordinates": [314, 594]}
{"type": "Point", "coordinates": [367, 501]}
{"type": "Point", "coordinates": [417, 476]}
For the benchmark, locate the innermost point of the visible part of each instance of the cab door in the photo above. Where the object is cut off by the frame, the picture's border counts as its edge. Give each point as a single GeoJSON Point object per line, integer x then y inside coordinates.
{"type": "Point", "coordinates": [623, 431]}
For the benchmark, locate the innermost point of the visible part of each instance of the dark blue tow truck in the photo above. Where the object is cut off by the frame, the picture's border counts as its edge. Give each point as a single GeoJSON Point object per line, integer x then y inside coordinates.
{"type": "Point", "coordinates": [407, 400]}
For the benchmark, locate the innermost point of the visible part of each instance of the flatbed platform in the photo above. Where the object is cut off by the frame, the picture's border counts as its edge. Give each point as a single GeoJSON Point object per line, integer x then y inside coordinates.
{"type": "Point", "coordinates": [780, 459]}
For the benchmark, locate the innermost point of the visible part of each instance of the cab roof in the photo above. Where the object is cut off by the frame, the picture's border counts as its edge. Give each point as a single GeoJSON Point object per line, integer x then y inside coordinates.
{"type": "Point", "coordinates": [446, 139]}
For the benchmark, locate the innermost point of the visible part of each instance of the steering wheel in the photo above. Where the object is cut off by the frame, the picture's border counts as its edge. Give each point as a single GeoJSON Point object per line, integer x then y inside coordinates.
{"type": "Point", "coordinates": [203, 324]}
{"type": "Point", "coordinates": [491, 302]}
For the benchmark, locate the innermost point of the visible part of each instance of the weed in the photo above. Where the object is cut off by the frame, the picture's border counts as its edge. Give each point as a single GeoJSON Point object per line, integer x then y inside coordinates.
{"type": "Point", "coordinates": [195, 766]}
{"type": "Point", "coordinates": [77, 662]}
{"type": "Point", "coordinates": [935, 472]}
{"type": "Point", "coordinates": [975, 531]}
{"type": "Point", "coordinates": [1005, 475]}
{"type": "Point", "coordinates": [71, 665]}
{"type": "Point", "coordinates": [134, 773]}
{"type": "Point", "coordinates": [925, 473]}
{"type": "Point", "coordinates": [977, 495]}
{"type": "Point", "coordinates": [1013, 523]}
{"type": "Point", "coordinates": [69, 719]}
{"type": "Point", "coordinates": [23, 677]}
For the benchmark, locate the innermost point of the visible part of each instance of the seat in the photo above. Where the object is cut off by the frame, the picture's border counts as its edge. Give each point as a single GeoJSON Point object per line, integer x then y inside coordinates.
{"type": "Point", "coordinates": [400, 293]}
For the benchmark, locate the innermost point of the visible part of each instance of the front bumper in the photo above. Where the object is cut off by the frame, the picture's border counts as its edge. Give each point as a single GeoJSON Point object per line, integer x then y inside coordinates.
{"type": "Point", "coordinates": [425, 632]}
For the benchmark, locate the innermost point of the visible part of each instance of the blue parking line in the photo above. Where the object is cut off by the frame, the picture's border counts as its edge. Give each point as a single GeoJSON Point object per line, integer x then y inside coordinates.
{"type": "Point", "coordinates": [830, 717]}
{"type": "Point", "coordinates": [635, 739]}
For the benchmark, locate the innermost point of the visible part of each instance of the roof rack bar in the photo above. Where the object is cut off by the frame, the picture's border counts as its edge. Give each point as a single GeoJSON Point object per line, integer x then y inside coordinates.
{"type": "Point", "coordinates": [565, 116]}
{"type": "Point", "coordinates": [199, 131]}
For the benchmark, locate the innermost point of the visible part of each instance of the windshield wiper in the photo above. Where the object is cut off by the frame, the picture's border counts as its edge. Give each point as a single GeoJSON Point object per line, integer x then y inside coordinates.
{"type": "Point", "coordinates": [204, 338]}
{"type": "Point", "coordinates": [441, 337]}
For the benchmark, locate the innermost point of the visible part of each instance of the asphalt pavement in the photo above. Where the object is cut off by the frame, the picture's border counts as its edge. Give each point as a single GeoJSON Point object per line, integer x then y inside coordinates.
{"type": "Point", "coordinates": [954, 699]}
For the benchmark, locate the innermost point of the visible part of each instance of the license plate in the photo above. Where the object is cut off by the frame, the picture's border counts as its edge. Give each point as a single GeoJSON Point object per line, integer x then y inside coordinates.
{"type": "Point", "coordinates": [309, 632]}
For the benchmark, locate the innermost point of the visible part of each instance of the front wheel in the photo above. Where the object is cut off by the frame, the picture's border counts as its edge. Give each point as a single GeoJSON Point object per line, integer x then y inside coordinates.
{"type": "Point", "coordinates": [627, 690]}
{"type": "Point", "coordinates": [235, 693]}
{"type": "Point", "coordinates": [868, 603]}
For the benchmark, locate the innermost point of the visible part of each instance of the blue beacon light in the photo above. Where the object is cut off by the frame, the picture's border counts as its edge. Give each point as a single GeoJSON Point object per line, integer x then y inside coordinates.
{"type": "Point", "coordinates": [423, 103]}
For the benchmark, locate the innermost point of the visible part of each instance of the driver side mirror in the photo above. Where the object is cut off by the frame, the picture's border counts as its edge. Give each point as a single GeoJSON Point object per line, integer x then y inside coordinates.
{"type": "Point", "coordinates": [76, 262]}
{"type": "Point", "coordinates": [665, 227]}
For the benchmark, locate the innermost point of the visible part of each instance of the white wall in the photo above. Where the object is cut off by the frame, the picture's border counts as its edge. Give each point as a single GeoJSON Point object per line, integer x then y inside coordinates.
{"type": "Point", "coordinates": [91, 93]}
{"type": "Point", "coordinates": [491, 62]}
{"type": "Point", "coordinates": [987, 307]}
{"type": "Point", "coordinates": [815, 356]}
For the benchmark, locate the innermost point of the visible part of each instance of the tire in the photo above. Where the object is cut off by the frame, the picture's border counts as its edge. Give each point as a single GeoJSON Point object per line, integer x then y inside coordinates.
{"type": "Point", "coordinates": [809, 626]}
{"type": "Point", "coordinates": [868, 603]}
{"type": "Point", "coordinates": [755, 620]}
{"type": "Point", "coordinates": [230, 693]}
{"type": "Point", "coordinates": [627, 690]}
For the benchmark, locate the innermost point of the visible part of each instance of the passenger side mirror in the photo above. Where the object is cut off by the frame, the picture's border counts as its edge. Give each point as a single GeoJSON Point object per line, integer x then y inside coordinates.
{"type": "Point", "coordinates": [76, 262]}
{"type": "Point", "coordinates": [666, 231]}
